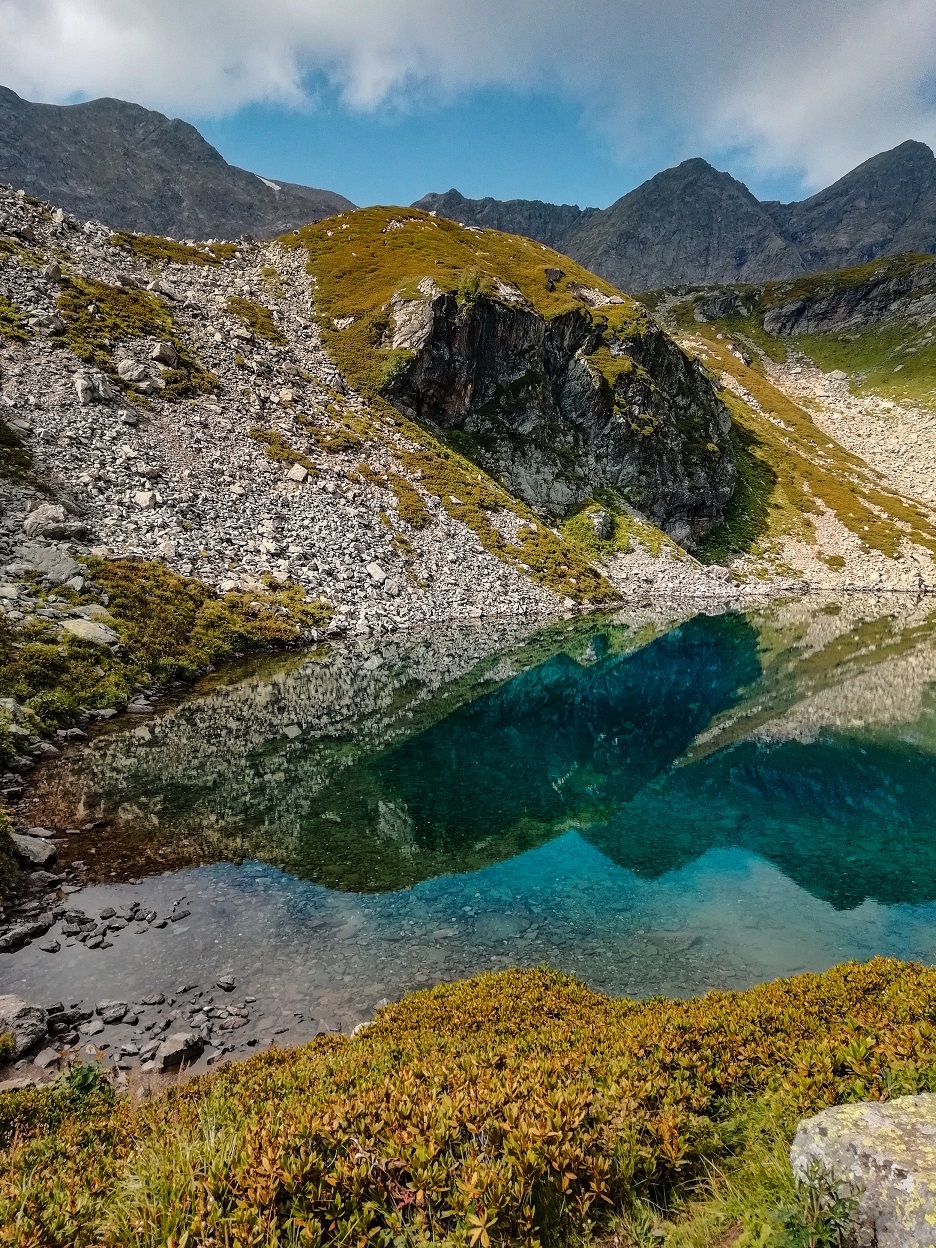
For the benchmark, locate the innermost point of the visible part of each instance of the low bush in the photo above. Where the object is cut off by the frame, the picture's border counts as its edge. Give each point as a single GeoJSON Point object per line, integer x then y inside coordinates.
{"type": "Point", "coordinates": [516, 1108]}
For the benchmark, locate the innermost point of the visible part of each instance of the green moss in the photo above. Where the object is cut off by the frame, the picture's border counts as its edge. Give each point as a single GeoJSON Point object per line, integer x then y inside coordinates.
{"type": "Point", "coordinates": [12, 326]}
{"type": "Point", "coordinates": [410, 506]}
{"type": "Point", "coordinates": [258, 317]}
{"type": "Point", "coordinates": [626, 530]}
{"type": "Point", "coordinates": [277, 449]}
{"type": "Point", "coordinates": [8, 873]}
{"type": "Point", "coordinates": [166, 251]}
{"type": "Point", "coordinates": [517, 1108]}
{"type": "Point", "coordinates": [171, 626]}
{"type": "Point", "coordinates": [747, 518]}
{"type": "Point", "coordinates": [98, 316]}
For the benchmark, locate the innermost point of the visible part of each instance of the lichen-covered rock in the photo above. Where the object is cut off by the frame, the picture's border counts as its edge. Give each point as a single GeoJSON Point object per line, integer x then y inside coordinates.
{"type": "Point", "coordinates": [888, 1152]}
{"type": "Point", "coordinates": [26, 1023]}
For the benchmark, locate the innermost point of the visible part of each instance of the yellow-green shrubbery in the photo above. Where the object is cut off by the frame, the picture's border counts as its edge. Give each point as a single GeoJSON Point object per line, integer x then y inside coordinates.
{"type": "Point", "coordinates": [167, 251]}
{"type": "Point", "coordinates": [97, 316]}
{"type": "Point", "coordinates": [12, 325]}
{"type": "Point", "coordinates": [258, 317]}
{"type": "Point", "coordinates": [278, 450]}
{"type": "Point", "coordinates": [170, 627]}
{"type": "Point", "coordinates": [8, 867]}
{"type": "Point", "coordinates": [517, 1108]}
{"type": "Point", "coordinates": [803, 470]}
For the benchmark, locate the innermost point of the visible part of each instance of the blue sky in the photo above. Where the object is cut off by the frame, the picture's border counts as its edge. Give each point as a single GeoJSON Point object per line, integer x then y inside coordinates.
{"type": "Point", "coordinates": [496, 141]}
{"type": "Point", "coordinates": [572, 100]}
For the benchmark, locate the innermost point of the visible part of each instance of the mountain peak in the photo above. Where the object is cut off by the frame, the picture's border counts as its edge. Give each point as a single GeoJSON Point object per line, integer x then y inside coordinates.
{"type": "Point", "coordinates": [137, 169]}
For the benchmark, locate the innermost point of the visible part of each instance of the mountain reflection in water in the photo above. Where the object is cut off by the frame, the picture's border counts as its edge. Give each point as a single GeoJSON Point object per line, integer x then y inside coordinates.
{"type": "Point", "coordinates": [799, 733]}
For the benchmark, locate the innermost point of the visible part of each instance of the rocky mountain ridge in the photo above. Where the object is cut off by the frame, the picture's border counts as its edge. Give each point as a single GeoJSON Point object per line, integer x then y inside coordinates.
{"type": "Point", "coordinates": [694, 224]}
{"type": "Point", "coordinates": [136, 169]}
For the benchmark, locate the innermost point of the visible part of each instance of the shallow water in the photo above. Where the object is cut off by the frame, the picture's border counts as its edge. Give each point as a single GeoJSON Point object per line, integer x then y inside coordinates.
{"type": "Point", "coordinates": [655, 806]}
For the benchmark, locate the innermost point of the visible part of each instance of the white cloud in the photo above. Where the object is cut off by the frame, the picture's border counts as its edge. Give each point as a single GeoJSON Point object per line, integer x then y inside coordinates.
{"type": "Point", "coordinates": [817, 84]}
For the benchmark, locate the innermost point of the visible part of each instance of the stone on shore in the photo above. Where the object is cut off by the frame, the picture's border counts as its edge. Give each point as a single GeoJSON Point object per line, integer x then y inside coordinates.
{"type": "Point", "coordinates": [886, 1152]}
{"type": "Point", "coordinates": [28, 1024]}
{"type": "Point", "coordinates": [181, 1047]}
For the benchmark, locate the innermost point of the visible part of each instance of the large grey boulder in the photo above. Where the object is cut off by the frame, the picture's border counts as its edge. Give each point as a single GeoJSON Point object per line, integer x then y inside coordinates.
{"type": "Point", "coordinates": [53, 563]}
{"type": "Point", "coordinates": [33, 849]}
{"type": "Point", "coordinates": [89, 630]}
{"type": "Point", "coordinates": [26, 1023]}
{"type": "Point", "coordinates": [887, 1151]}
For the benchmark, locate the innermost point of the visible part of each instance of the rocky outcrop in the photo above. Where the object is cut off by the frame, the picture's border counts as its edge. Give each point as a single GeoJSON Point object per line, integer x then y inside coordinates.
{"type": "Point", "coordinates": [904, 287]}
{"type": "Point", "coordinates": [881, 1156]}
{"type": "Point", "coordinates": [138, 170]}
{"type": "Point", "coordinates": [559, 408]}
{"type": "Point", "coordinates": [547, 223]}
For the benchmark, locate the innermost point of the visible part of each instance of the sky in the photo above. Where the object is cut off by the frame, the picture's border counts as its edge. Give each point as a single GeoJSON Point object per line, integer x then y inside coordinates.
{"type": "Point", "coordinates": [575, 101]}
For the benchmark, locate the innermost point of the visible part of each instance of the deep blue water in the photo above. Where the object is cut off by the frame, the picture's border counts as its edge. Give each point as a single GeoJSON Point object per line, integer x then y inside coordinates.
{"type": "Point", "coordinates": [656, 809]}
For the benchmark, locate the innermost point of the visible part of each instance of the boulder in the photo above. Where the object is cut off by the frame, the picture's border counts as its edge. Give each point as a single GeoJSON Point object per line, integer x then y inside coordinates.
{"type": "Point", "coordinates": [51, 520]}
{"type": "Point", "coordinates": [130, 370]}
{"type": "Point", "coordinates": [601, 524]}
{"type": "Point", "coordinates": [165, 353]}
{"type": "Point", "coordinates": [33, 849]}
{"type": "Point", "coordinates": [182, 1047]}
{"type": "Point", "coordinates": [28, 1024]}
{"type": "Point", "coordinates": [111, 1011]}
{"type": "Point", "coordinates": [886, 1153]}
{"type": "Point", "coordinates": [297, 473]}
{"type": "Point", "coordinates": [90, 630]}
{"type": "Point", "coordinates": [49, 562]}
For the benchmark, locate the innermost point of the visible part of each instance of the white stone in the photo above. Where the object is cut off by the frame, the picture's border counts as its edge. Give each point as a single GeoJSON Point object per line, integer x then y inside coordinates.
{"type": "Point", "coordinates": [145, 498]}
{"type": "Point", "coordinates": [297, 473]}
{"type": "Point", "coordinates": [376, 573]}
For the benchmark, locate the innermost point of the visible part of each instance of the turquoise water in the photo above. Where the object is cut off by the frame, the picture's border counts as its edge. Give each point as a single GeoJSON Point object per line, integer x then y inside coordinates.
{"type": "Point", "coordinates": [657, 806]}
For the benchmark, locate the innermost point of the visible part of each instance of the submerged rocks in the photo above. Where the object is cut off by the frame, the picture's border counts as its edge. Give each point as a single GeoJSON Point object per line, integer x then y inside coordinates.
{"type": "Point", "coordinates": [886, 1154]}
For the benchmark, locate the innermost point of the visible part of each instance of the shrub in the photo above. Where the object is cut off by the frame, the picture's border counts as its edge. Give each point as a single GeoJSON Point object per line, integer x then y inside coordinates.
{"type": "Point", "coordinates": [516, 1108]}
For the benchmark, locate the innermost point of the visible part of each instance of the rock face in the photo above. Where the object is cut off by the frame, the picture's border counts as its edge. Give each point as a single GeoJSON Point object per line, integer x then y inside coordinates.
{"type": "Point", "coordinates": [27, 1024]}
{"type": "Point", "coordinates": [138, 170]}
{"type": "Point", "coordinates": [553, 426]}
{"type": "Point", "coordinates": [693, 224]}
{"type": "Point", "coordinates": [888, 1152]}
{"type": "Point", "coordinates": [903, 287]}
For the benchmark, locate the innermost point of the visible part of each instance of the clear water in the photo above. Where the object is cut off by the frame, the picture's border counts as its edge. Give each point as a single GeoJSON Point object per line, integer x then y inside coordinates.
{"type": "Point", "coordinates": [657, 806]}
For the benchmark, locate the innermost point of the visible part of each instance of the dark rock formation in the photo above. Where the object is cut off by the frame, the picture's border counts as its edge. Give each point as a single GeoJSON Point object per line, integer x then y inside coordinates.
{"type": "Point", "coordinates": [557, 411]}
{"type": "Point", "coordinates": [694, 225]}
{"type": "Point", "coordinates": [135, 169]}
{"type": "Point", "coordinates": [887, 204]}
{"type": "Point", "coordinates": [892, 290]}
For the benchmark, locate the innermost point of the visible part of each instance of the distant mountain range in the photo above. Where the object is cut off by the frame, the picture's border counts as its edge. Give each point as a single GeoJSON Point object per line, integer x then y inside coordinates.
{"type": "Point", "coordinates": [695, 225]}
{"type": "Point", "coordinates": [135, 169]}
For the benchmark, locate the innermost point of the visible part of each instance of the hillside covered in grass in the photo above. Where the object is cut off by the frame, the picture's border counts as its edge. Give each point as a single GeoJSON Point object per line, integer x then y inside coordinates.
{"type": "Point", "coordinates": [518, 1108]}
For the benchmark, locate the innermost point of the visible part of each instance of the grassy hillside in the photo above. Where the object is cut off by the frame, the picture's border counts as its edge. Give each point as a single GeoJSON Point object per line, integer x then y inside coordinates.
{"type": "Point", "coordinates": [517, 1108]}
{"type": "Point", "coordinates": [790, 471]}
{"type": "Point", "coordinates": [360, 261]}
{"type": "Point", "coordinates": [894, 358]}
